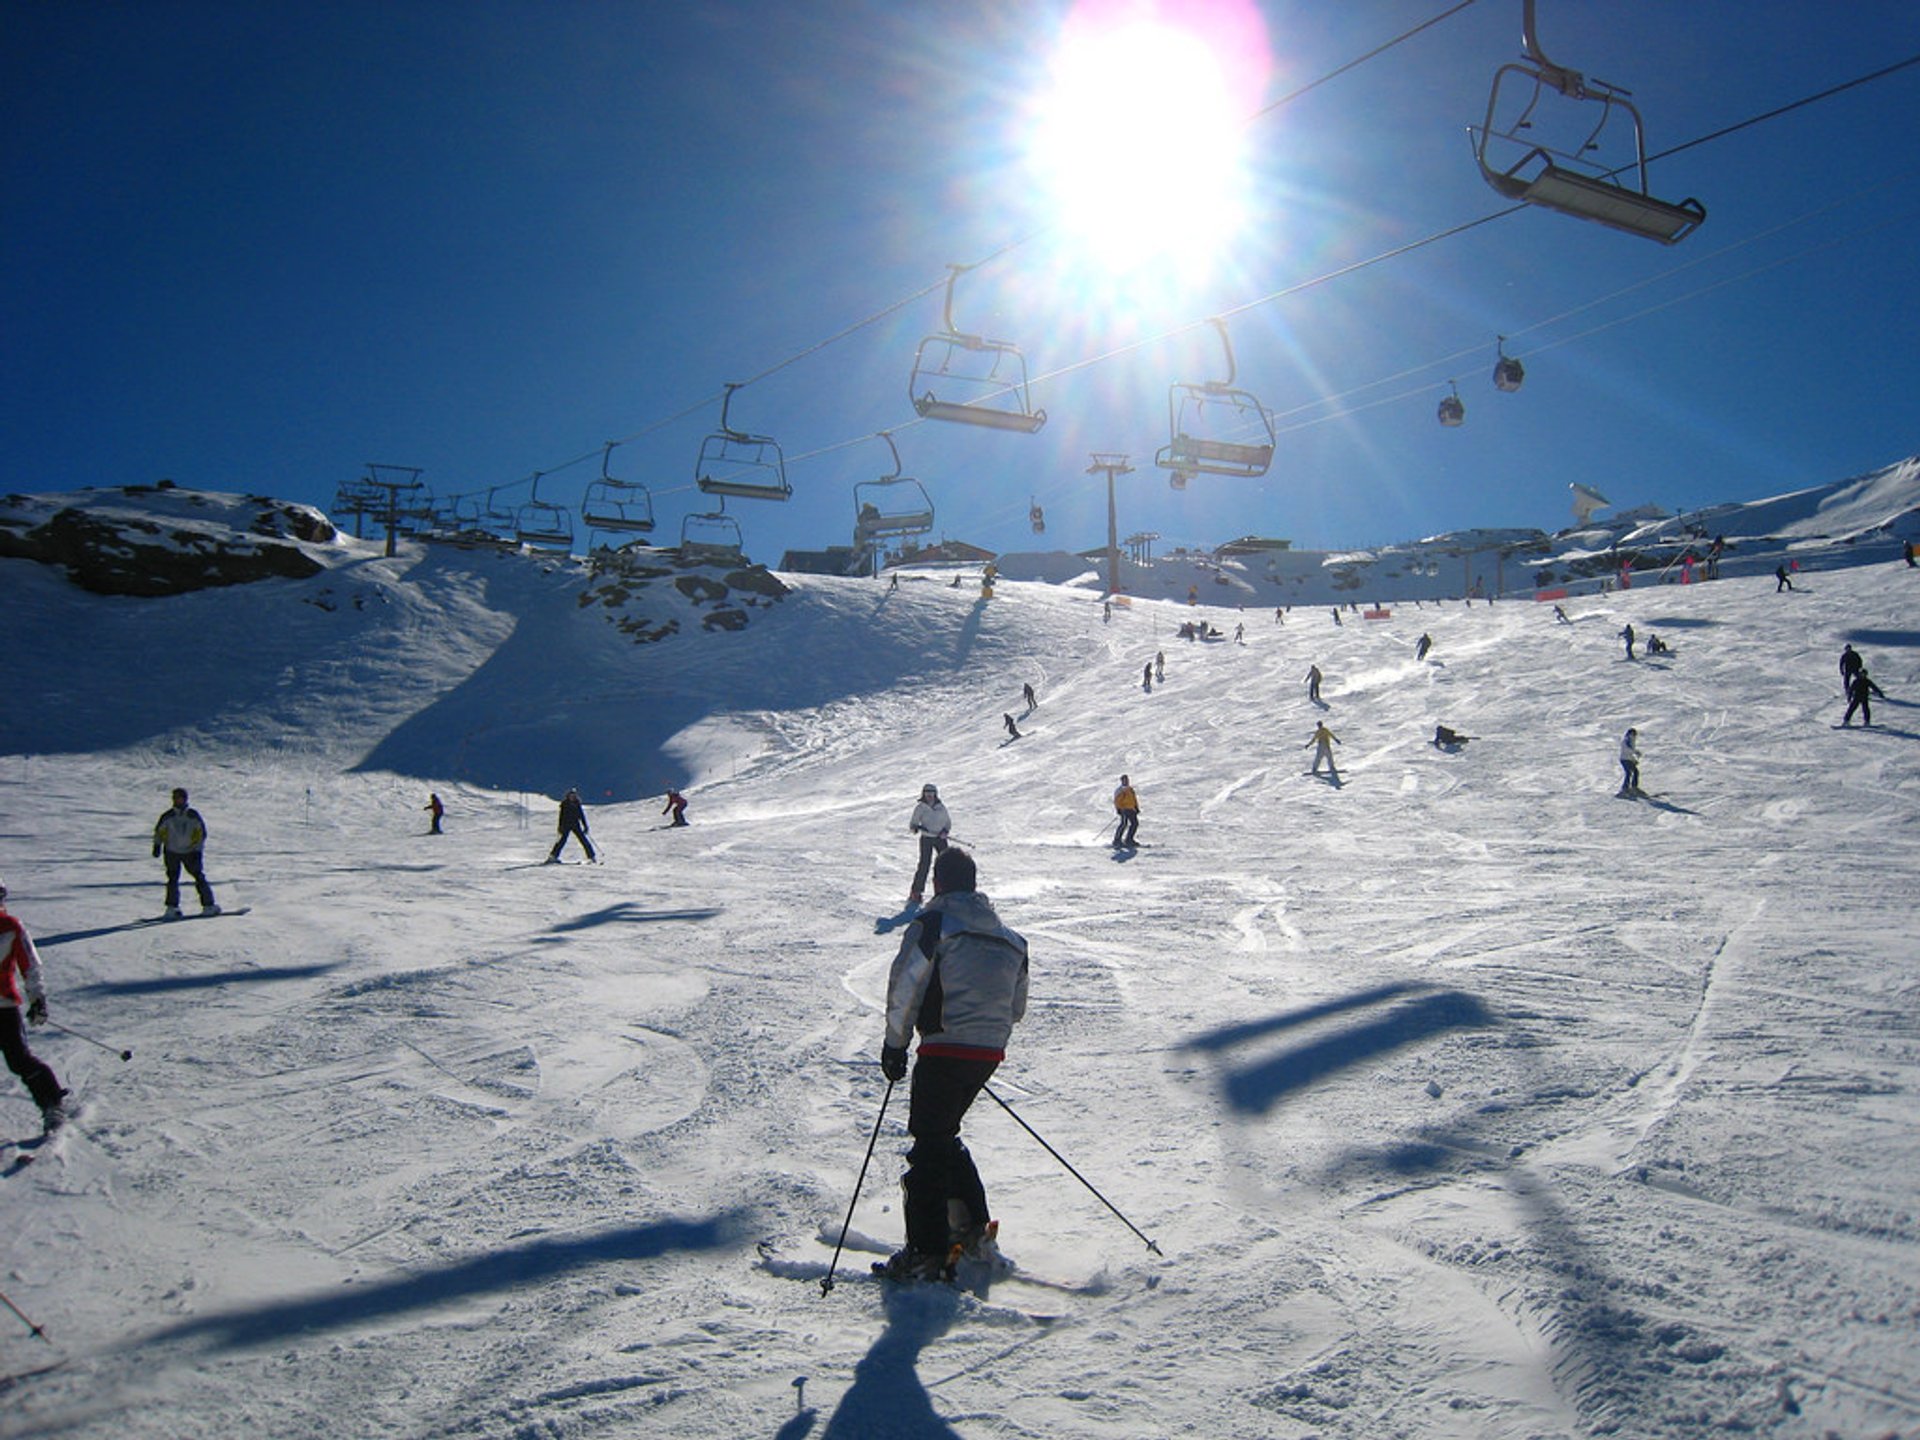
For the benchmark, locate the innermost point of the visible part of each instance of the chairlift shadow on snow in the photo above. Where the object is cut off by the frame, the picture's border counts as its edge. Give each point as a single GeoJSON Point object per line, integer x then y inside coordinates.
{"type": "Point", "coordinates": [628, 912]}
{"type": "Point", "coordinates": [164, 984]}
{"type": "Point", "coordinates": [1897, 639]}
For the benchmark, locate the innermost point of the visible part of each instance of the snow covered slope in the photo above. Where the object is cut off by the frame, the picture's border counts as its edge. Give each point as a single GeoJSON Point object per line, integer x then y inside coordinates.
{"type": "Point", "coordinates": [1464, 1099]}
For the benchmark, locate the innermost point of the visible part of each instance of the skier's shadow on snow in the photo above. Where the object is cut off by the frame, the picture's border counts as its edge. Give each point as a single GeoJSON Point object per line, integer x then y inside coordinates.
{"type": "Point", "coordinates": [887, 1397]}
{"type": "Point", "coordinates": [163, 984]}
{"type": "Point", "coordinates": [1400, 1015]}
{"type": "Point", "coordinates": [628, 913]}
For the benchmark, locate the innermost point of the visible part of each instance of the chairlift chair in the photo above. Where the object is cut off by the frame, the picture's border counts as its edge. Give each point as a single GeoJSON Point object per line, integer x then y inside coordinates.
{"type": "Point", "coordinates": [1210, 424]}
{"type": "Point", "coordinates": [497, 519]}
{"type": "Point", "coordinates": [1508, 373]}
{"type": "Point", "coordinates": [622, 506]}
{"type": "Point", "coordinates": [893, 507]}
{"type": "Point", "coordinates": [970, 379]}
{"type": "Point", "coordinates": [1567, 180]}
{"type": "Point", "coordinates": [1453, 410]}
{"type": "Point", "coordinates": [542, 525]}
{"type": "Point", "coordinates": [1036, 517]}
{"type": "Point", "coordinates": [733, 462]}
{"type": "Point", "coordinates": [716, 534]}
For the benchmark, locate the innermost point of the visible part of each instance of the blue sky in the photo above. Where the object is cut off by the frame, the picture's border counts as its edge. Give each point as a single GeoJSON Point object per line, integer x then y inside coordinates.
{"type": "Point", "coordinates": [255, 247]}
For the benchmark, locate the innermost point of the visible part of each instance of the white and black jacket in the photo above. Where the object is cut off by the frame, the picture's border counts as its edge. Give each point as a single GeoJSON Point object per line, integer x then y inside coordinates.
{"type": "Point", "coordinates": [960, 979]}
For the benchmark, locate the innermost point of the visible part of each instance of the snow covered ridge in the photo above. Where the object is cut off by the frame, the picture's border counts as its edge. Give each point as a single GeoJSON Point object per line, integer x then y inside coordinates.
{"type": "Point", "coordinates": [628, 585]}
{"type": "Point", "coordinates": [163, 540]}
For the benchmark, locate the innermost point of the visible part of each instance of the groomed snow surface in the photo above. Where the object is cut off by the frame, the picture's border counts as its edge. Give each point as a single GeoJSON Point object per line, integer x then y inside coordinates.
{"type": "Point", "coordinates": [1464, 1098]}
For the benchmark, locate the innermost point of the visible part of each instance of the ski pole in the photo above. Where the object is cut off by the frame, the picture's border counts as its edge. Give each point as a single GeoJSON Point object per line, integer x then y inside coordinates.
{"type": "Point", "coordinates": [826, 1281]}
{"type": "Point", "coordinates": [123, 1054]}
{"type": "Point", "coordinates": [36, 1329]}
{"type": "Point", "coordinates": [1073, 1172]}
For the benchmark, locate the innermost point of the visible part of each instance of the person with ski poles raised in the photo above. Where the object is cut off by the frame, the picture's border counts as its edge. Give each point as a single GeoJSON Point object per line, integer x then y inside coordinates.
{"type": "Point", "coordinates": [931, 823]}
{"type": "Point", "coordinates": [20, 984]}
{"type": "Point", "coordinates": [960, 979]}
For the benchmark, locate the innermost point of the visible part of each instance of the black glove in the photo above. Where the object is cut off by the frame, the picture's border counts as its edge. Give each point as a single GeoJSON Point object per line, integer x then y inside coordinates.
{"type": "Point", "coordinates": [156, 852]}
{"type": "Point", "coordinates": [37, 1012]}
{"type": "Point", "coordinates": [893, 1062]}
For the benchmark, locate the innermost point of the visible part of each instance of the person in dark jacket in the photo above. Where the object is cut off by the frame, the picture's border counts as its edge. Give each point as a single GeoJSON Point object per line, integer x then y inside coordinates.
{"type": "Point", "coordinates": [960, 980]}
{"type": "Point", "coordinates": [1626, 634]}
{"type": "Point", "coordinates": [179, 837]}
{"type": "Point", "coordinates": [1859, 693]}
{"type": "Point", "coordinates": [1850, 663]}
{"type": "Point", "coordinates": [676, 806]}
{"type": "Point", "coordinates": [1420, 650]}
{"type": "Point", "coordinates": [1780, 580]}
{"type": "Point", "coordinates": [573, 824]}
{"type": "Point", "coordinates": [20, 985]}
{"type": "Point", "coordinates": [434, 808]}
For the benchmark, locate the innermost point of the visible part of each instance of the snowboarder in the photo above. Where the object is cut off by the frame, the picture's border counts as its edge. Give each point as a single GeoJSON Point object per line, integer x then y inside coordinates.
{"type": "Point", "coordinates": [1630, 763]}
{"type": "Point", "coordinates": [1033, 701]}
{"type": "Point", "coordinates": [1448, 739]}
{"type": "Point", "coordinates": [1013, 730]}
{"type": "Point", "coordinates": [960, 979]}
{"type": "Point", "coordinates": [1420, 650]}
{"type": "Point", "coordinates": [1627, 635]}
{"type": "Point", "coordinates": [20, 983]}
{"type": "Point", "coordinates": [1859, 697]}
{"type": "Point", "coordinates": [1850, 664]}
{"type": "Point", "coordinates": [1322, 745]}
{"type": "Point", "coordinates": [1126, 804]}
{"type": "Point", "coordinates": [1313, 682]}
{"type": "Point", "coordinates": [434, 808]}
{"type": "Point", "coordinates": [179, 836]}
{"type": "Point", "coordinates": [677, 805]}
{"type": "Point", "coordinates": [573, 823]}
{"type": "Point", "coordinates": [931, 823]}
{"type": "Point", "coordinates": [1160, 666]}
{"type": "Point", "coordinates": [1561, 616]}
{"type": "Point", "coordinates": [1780, 580]}
{"type": "Point", "coordinates": [1657, 646]}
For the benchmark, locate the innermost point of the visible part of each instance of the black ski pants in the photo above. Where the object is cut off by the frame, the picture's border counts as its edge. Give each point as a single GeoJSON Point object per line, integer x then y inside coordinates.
{"type": "Point", "coordinates": [1129, 822]}
{"type": "Point", "coordinates": [572, 832]}
{"type": "Point", "coordinates": [930, 846]}
{"type": "Point", "coordinates": [1863, 704]}
{"type": "Point", "coordinates": [24, 1063]}
{"type": "Point", "coordinates": [939, 1168]}
{"type": "Point", "coordinates": [194, 865]}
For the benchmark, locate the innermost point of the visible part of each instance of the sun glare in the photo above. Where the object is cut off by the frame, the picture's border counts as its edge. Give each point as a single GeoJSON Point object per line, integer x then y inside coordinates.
{"type": "Point", "coordinates": [1139, 138]}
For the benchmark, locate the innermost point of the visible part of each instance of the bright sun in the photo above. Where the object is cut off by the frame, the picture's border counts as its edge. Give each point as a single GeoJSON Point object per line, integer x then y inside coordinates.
{"type": "Point", "coordinates": [1139, 139]}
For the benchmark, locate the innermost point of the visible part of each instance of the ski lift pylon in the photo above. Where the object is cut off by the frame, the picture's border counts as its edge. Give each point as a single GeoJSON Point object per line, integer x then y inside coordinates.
{"type": "Point", "coordinates": [1566, 179]}
{"type": "Point", "coordinates": [1453, 410]}
{"type": "Point", "coordinates": [541, 524]}
{"type": "Point", "coordinates": [1508, 373]}
{"type": "Point", "coordinates": [895, 506]}
{"type": "Point", "coordinates": [1215, 429]}
{"type": "Point", "coordinates": [620, 506]}
{"type": "Point", "coordinates": [733, 462]}
{"type": "Point", "coordinates": [980, 381]}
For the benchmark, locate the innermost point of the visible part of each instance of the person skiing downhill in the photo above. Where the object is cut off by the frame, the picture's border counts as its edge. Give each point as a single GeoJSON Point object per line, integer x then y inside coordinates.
{"type": "Point", "coordinates": [1013, 730]}
{"type": "Point", "coordinates": [1420, 650]}
{"type": "Point", "coordinates": [1630, 763]}
{"type": "Point", "coordinates": [20, 982]}
{"type": "Point", "coordinates": [677, 807]}
{"type": "Point", "coordinates": [959, 978]}
{"type": "Point", "coordinates": [1314, 678]}
{"type": "Point", "coordinates": [572, 825]}
{"type": "Point", "coordinates": [1033, 700]}
{"type": "Point", "coordinates": [1126, 804]}
{"type": "Point", "coordinates": [434, 808]}
{"type": "Point", "coordinates": [931, 823]}
{"type": "Point", "coordinates": [1860, 691]}
{"type": "Point", "coordinates": [179, 836]}
{"type": "Point", "coordinates": [1626, 634]}
{"type": "Point", "coordinates": [1322, 744]}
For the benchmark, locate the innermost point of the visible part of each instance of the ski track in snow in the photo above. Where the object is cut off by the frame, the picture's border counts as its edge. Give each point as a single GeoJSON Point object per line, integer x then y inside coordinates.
{"type": "Point", "coordinates": [1464, 1100]}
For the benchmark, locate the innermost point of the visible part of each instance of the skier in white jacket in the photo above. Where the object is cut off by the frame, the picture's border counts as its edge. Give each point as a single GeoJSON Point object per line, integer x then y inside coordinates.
{"type": "Point", "coordinates": [931, 823]}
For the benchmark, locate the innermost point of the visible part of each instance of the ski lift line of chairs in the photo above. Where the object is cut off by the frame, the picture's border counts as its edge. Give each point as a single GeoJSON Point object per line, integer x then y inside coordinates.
{"type": "Point", "coordinates": [623, 507]}
{"type": "Point", "coordinates": [732, 462]}
{"type": "Point", "coordinates": [713, 534]}
{"type": "Point", "coordinates": [1205, 422]}
{"type": "Point", "coordinates": [895, 506]}
{"type": "Point", "coordinates": [542, 525]}
{"type": "Point", "coordinates": [1568, 181]}
{"type": "Point", "coordinates": [970, 379]}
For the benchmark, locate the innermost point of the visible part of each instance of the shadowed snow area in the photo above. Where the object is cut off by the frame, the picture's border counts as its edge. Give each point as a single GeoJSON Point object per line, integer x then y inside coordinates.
{"type": "Point", "coordinates": [1464, 1098]}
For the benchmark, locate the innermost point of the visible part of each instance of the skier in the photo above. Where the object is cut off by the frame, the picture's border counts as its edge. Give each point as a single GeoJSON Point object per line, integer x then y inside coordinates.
{"type": "Point", "coordinates": [893, 583]}
{"type": "Point", "coordinates": [1850, 665]}
{"type": "Point", "coordinates": [1627, 635]}
{"type": "Point", "coordinates": [434, 808]}
{"type": "Point", "coordinates": [1013, 730]}
{"type": "Point", "coordinates": [1322, 745]}
{"type": "Point", "coordinates": [1106, 612]}
{"type": "Point", "coordinates": [931, 823]}
{"type": "Point", "coordinates": [1906, 551]}
{"type": "Point", "coordinates": [1336, 615]}
{"type": "Point", "coordinates": [960, 979]}
{"type": "Point", "coordinates": [677, 804]}
{"type": "Point", "coordinates": [20, 981]}
{"type": "Point", "coordinates": [1780, 580]}
{"type": "Point", "coordinates": [1561, 616]}
{"type": "Point", "coordinates": [1313, 683]}
{"type": "Point", "coordinates": [1859, 697]}
{"type": "Point", "coordinates": [573, 823]}
{"type": "Point", "coordinates": [1240, 633]}
{"type": "Point", "coordinates": [180, 835]}
{"type": "Point", "coordinates": [1126, 804]}
{"type": "Point", "coordinates": [1630, 763]}
{"type": "Point", "coordinates": [1160, 666]}
{"type": "Point", "coordinates": [1033, 701]}
{"type": "Point", "coordinates": [1146, 678]}
{"type": "Point", "coordinates": [1420, 650]}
